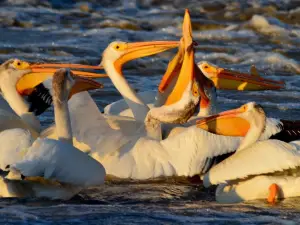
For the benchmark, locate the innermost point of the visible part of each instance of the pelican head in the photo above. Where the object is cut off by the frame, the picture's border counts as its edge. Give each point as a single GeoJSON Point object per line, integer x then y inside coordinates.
{"type": "Point", "coordinates": [18, 79]}
{"type": "Point", "coordinates": [234, 80]}
{"type": "Point", "coordinates": [181, 103]}
{"type": "Point", "coordinates": [13, 69]}
{"type": "Point", "coordinates": [25, 76]}
{"type": "Point", "coordinates": [119, 52]}
{"type": "Point", "coordinates": [65, 84]}
{"type": "Point", "coordinates": [235, 122]}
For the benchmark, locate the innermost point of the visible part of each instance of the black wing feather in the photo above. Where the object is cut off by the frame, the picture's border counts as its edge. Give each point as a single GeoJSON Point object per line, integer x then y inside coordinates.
{"type": "Point", "coordinates": [40, 99]}
{"type": "Point", "coordinates": [290, 131]}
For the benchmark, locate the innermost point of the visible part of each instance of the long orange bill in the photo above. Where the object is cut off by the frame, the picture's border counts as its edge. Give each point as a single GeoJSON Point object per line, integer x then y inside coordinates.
{"type": "Point", "coordinates": [173, 68]}
{"type": "Point", "coordinates": [229, 79]}
{"type": "Point", "coordinates": [226, 123]}
{"type": "Point", "coordinates": [65, 65]}
{"type": "Point", "coordinates": [142, 49]}
{"type": "Point", "coordinates": [41, 72]}
{"type": "Point", "coordinates": [187, 72]}
{"type": "Point", "coordinates": [76, 72]}
{"type": "Point", "coordinates": [234, 80]}
{"type": "Point", "coordinates": [183, 67]}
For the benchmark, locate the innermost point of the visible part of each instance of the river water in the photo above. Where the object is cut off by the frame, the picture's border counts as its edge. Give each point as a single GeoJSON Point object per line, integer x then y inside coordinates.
{"type": "Point", "coordinates": [231, 34]}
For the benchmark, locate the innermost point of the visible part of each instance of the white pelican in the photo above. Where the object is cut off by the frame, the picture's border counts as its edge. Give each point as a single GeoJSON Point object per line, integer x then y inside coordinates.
{"type": "Point", "coordinates": [48, 168]}
{"type": "Point", "coordinates": [17, 79]}
{"type": "Point", "coordinates": [221, 79]}
{"type": "Point", "coordinates": [258, 169]}
{"type": "Point", "coordinates": [144, 155]}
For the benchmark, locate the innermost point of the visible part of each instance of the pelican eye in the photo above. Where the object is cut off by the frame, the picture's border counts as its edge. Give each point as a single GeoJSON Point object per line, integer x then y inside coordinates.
{"type": "Point", "coordinates": [119, 46]}
{"type": "Point", "coordinates": [21, 65]}
{"type": "Point", "coordinates": [195, 89]}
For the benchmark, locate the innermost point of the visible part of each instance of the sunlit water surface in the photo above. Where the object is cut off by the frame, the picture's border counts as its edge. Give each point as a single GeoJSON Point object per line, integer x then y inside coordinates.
{"type": "Point", "coordinates": [233, 35]}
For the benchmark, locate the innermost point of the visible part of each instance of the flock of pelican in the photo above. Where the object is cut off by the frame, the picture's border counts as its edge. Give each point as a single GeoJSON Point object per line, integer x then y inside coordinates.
{"type": "Point", "coordinates": [174, 131]}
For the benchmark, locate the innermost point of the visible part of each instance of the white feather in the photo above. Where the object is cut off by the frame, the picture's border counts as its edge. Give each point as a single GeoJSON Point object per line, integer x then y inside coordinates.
{"type": "Point", "coordinates": [60, 161]}
{"type": "Point", "coordinates": [183, 154]}
{"type": "Point", "coordinates": [261, 158]}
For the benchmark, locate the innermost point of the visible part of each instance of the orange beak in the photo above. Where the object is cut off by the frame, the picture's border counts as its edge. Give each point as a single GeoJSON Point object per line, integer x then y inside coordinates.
{"type": "Point", "coordinates": [183, 61]}
{"type": "Point", "coordinates": [173, 69]}
{"type": "Point", "coordinates": [187, 73]}
{"type": "Point", "coordinates": [142, 49]}
{"type": "Point", "coordinates": [41, 72]}
{"type": "Point", "coordinates": [233, 80]}
{"type": "Point", "coordinates": [226, 123]}
{"type": "Point", "coordinates": [64, 65]}
{"type": "Point", "coordinates": [84, 84]}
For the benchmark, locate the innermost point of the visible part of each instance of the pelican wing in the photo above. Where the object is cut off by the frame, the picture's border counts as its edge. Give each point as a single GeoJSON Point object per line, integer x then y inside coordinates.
{"type": "Point", "coordinates": [92, 128]}
{"type": "Point", "coordinates": [88, 124]}
{"type": "Point", "coordinates": [195, 146]}
{"type": "Point", "coordinates": [14, 144]}
{"type": "Point", "coordinates": [261, 158]}
{"type": "Point", "coordinates": [120, 107]}
{"type": "Point", "coordinates": [60, 161]}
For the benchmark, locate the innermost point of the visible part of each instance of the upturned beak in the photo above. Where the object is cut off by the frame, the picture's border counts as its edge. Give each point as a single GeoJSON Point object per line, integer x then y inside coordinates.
{"type": "Point", "coordinates": [227, 123]}
{"type": "Point", "coordinates": [173, 69]}
{"type": "Point", "coordinates": [84, 84]}
{"type": "Point", "coordinates": [41, 72]}
{"type": "Point", "coordinates": [234, 80]}
{"type": "Point", "coordinates": [142, 49]}
{"type": "Point", "coordinates": [187, 70]}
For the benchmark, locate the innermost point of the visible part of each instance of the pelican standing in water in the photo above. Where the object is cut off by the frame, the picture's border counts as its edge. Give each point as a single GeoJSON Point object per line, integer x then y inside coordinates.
{"type": "Point", "coordinates": [48, 168]}
{"type": "Point", "coordinates": [259, 169]}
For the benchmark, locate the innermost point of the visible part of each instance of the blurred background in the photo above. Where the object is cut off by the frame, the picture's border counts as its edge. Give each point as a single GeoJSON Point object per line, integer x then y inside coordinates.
{"type": "Point", "coordinates": [231, 34]}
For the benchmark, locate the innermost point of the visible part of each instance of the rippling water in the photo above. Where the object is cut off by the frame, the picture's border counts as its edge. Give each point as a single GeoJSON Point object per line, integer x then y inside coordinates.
{"type": "Point", "coordinates": [232, 34]}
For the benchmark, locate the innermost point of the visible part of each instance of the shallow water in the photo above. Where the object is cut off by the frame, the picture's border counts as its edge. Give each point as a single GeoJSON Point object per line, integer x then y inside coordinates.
{"type": "Point", "coordinates": [234, 35]}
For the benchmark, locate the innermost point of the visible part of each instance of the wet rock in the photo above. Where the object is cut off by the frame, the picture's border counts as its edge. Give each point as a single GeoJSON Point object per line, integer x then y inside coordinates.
{"type": "Point", "coordinates": [294, 15]}
{"type": "Point", "coordinates": [146, 26]}
{"type": "Point", "coordinates": [23, 24]}
{"type": "Point", "coordinates": [85, 7]}
{"type": "Point", "coordinates": [213, 6]}
{"type": "Point", "coordinates": [206, 25]}
{"type": "Point", "coordinates": [122, 24]}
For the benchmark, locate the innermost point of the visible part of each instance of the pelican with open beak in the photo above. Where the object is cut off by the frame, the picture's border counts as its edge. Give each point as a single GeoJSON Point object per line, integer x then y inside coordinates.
{"type": "Point", "coordinates": [113, 59]}
{"type": "Point", "coordinates": [45, 168]}
{"type": "Point", "coordinates": [226, 79]}
{"type": "Point", "coordinates": [18, 79]}
{"type": "Point", "coordinates": [144, 155]}
{"type": "Point", "coordinates": [210, 78]}
{"type": "Point", "coordinates": [259, 169]}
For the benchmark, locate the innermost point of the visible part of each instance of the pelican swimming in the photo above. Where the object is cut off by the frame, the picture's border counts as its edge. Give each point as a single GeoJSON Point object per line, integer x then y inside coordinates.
{"type": "Point", "coordinates": [259, 169]}
{"type": "Point", "coordinates": [124, 155]}
{"type": "Point", "coordinates": [17, 79]}
{"type": "Point", "coordinates": [221, 79]}
{"type": "Point", "coordinates": [47, 168]}
{"type": "Point", "coordinates": [143, 155]}
{"type": "Point", "coordinates": [14, 88]}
